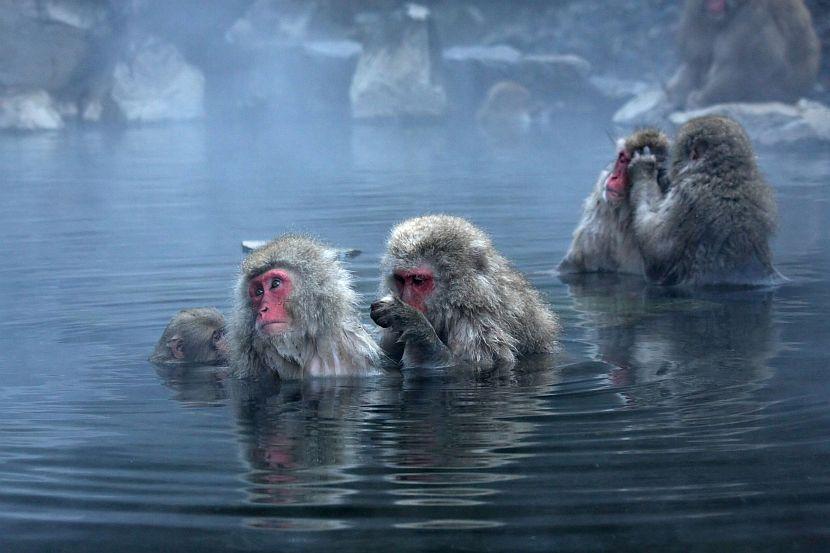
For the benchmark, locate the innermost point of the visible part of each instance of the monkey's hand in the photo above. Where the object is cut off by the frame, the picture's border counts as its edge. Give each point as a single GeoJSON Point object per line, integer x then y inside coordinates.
{"type": "Point", "coordinates": [642, 172]}
{"type": "Point", "coordinates": [422, 345]}
{"type": "Point", "coordinates": [643, 166]}
{"type": "Point", "coordinates": [392, 313]}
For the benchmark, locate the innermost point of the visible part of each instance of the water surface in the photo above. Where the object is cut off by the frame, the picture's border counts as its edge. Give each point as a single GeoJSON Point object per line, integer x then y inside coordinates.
{"type": "Point", "coordinates": [685, 422]}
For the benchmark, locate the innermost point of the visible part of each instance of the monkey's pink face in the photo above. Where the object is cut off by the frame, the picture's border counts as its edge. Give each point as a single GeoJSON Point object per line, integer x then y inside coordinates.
{"type": "Point", "coordinates": [716, 7]}
{"type": "Point", "coordinates": [269, 292]}
{"type": "Point", "coordinates": [616, 185]}
{"type": "Point", "coordinates": [415, 286]}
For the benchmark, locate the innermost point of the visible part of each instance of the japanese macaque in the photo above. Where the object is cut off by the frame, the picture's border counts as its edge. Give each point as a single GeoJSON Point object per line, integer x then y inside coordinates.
{"type": "Point", "coordinates": [603, 241]}
{"type": "Point", "coordinates": [744, 51]}
{"type": "Point", "coordinates": [713, 224]}
{"type": "Point", "coordinates": [453, 299]}
{"type": "Point", "coordinates": [194, 336]}
{"type": "Point", "coordinates": [296, 315]}
{"type": "Point", "coordinates": [506, 111]}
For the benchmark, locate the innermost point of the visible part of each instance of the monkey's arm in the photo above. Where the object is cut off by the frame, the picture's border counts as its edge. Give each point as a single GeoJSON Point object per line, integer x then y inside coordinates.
{"type": "Point", "coordinates": [682, 83]}
{"type": "Point", "coordinates": [417, 343]}
{"type": "Point", "coordinates": [390, 343]}
{"type": "Point", "coordinates": [720, 84]}
{"type": "Point", "coordinates": [654, 213]}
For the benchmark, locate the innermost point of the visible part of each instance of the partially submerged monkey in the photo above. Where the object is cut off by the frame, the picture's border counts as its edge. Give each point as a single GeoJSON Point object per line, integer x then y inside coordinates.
{"type": "Point", "coordinates": [453, 299]}
{"type": "Point", "coordinates": [713, 224]}
{"type": "Point", "coordinates": [195, 336]}
{"type": "Point", "coordinates": [296, 315]}
{"type": "Point", "coordinates": [603, 241]}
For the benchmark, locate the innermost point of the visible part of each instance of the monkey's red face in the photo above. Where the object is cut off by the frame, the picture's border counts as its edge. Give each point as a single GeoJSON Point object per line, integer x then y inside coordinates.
{"type": "Point", "coordinates": [269, 292]}
{"type": "Point", "coordinates": [616, 185]}
{"type": "Point", "coordinates": [716, 7]}
{"type": "Point", "coordinates": [415, 286]}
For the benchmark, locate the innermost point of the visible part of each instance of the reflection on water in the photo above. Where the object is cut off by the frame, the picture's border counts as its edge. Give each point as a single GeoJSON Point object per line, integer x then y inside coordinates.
{"type": "Point", "coordinates": [669, 421]}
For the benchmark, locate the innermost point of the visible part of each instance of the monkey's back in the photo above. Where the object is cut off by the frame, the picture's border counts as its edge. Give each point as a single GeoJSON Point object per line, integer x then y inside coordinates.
{"type": "Point", "coordinates": [536, 326]}
{"type": "Point", "coordinates": [725, 227]}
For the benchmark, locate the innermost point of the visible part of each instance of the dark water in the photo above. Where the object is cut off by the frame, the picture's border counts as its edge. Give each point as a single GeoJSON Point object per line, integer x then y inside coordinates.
{"type": "Point", "coordinates": [688, 423]}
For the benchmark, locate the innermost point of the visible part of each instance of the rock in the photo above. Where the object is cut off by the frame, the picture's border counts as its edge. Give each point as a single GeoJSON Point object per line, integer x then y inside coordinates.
{"type": "Point", "coordinates": [35, 110]}
{"type": "Point", "coordinates": [615, 88]}
{"type": "Point", "coordinates": [46, 44]}
{"type": "Point", "coordinates": [472, 69]}
{"type": "Point", "coordinates": [650, 107]}
{"type": "Point", "coordinates": [772, 123]}
{"type": "Point", "coordinates": [293, 62]}
{"type": "Point", "coordinates": [399, 73]}
{"type": "Point", "coordinates": [267, 23]}
{"type": "Point", "coordinates": [155, 83]}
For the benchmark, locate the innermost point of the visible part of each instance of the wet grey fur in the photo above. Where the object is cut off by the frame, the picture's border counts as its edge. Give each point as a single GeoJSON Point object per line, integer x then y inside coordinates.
{"type": "Point", "coordinates": [326, 337]}
{"type": "Point", "coordinates": [603, 241]}
{"type": "Point", "coordinates": [195, 327]}
{"type": "Point", "coordinates": [713, 225]}
{"type": "Point", "coordinates": [482, 311]}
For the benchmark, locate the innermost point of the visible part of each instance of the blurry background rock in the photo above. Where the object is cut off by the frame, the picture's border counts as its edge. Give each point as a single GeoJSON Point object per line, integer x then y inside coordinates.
{"type": "Point", "coordinates": [154, 83]}
{"type": "Point", "coordinates": [772, 123]}
{"type": "Point", "coordinates": [399, 73]}
{"type": "Point", "coordinates": [48, 50]}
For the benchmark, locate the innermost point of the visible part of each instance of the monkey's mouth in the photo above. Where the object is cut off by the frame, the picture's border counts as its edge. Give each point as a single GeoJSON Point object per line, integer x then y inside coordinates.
{"type": "Point", "coordinates": [614, 195]}
{"type": "Point", "coordinates": [272, 328]}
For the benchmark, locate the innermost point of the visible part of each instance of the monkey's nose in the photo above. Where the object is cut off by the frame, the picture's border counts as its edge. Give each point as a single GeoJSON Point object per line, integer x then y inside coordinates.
{"type": "Point", "coordinates": [263, 309]}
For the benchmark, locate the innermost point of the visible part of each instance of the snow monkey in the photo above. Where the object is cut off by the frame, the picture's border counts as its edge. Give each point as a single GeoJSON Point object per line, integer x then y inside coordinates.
{"type": "Point", "coordinates": [453, 299]}
{"type": "Point", "coordinates": [603, 240]}
{"type": "Point", "coordinates": [296, 315]}
{"type": "Point", "coordinates": [194, 336]}
{"type": "Point", "coordinates": [744, 51]}
{"type": "Point", "coordinates": [713, 224]}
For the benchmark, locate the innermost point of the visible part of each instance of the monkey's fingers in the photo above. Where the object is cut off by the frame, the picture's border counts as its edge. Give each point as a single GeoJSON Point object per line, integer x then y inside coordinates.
{"type": "Point", "coordinates": [380, 313]}
{"type": "Point", "coordinates": [644, 165]}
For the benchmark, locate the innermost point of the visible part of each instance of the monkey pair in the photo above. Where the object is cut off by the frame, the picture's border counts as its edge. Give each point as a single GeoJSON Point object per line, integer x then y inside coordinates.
{"type": "Point", "coordinates": [450, 299]}
{"type": "Point", "coordinates": [693, 213]}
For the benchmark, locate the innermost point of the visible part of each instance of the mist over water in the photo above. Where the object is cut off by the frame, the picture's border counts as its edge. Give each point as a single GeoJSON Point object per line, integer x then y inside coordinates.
{"type": "Point", "coordinates": [669, 420]}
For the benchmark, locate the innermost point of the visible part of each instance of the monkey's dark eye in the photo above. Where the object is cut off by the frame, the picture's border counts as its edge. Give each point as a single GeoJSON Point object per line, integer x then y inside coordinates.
{"type": "Point", "coordinates": [398, 279]}
{"type": "Point", "coordinates": [698, 149]}
{"type": "Point", "coordinates": [417, 280]}
{"type": "Point", "coordinates": [276, 283]}
{"type": "Point", "coordinates": [259, 291]}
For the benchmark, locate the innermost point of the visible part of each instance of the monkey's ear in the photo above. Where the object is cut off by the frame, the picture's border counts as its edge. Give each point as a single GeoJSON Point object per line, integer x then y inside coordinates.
{"type": "Point", "coordinates": [478, 254]}
{"type": "Point", "coordinates": [176, 345]}
{"type": "Point", "coordinates": [330, 254]}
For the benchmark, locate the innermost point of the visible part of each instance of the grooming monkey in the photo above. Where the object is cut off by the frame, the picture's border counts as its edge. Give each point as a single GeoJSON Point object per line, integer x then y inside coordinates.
{"type": "Point", "coordinates": [713, 224]}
